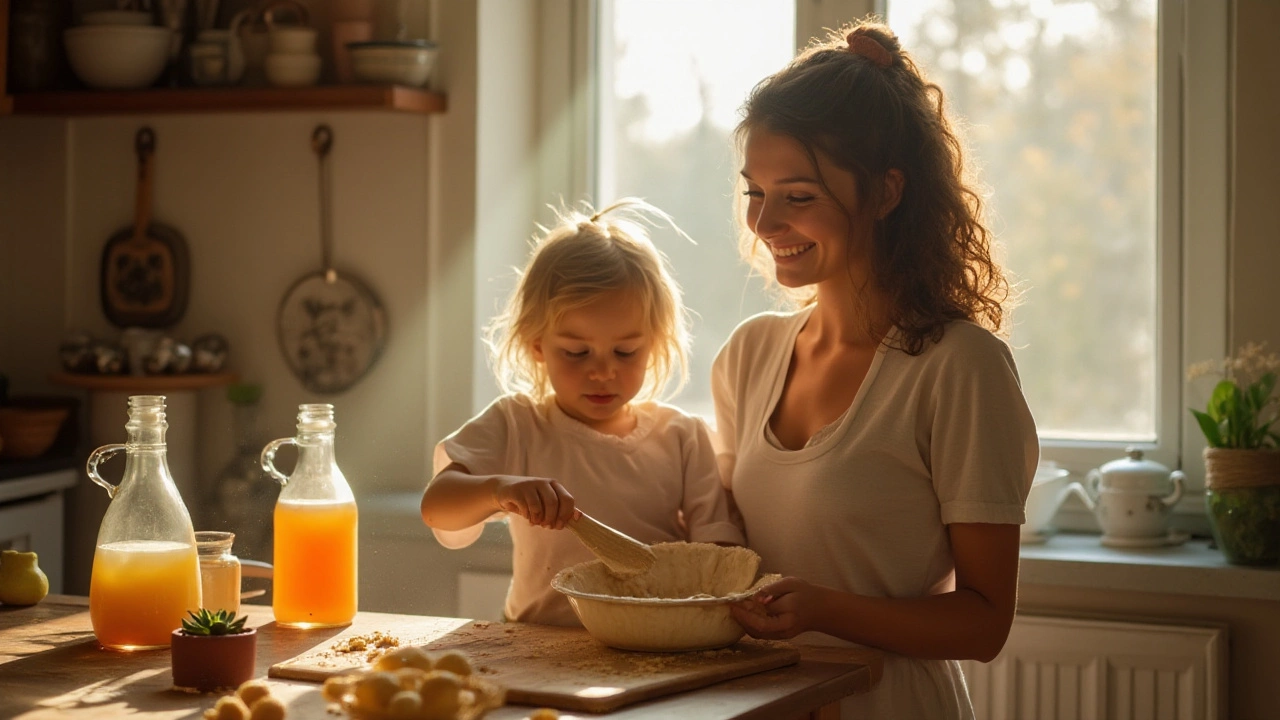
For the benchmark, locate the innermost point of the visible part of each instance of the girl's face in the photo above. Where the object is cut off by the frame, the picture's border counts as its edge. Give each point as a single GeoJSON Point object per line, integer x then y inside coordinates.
{"type": "Point", "coordinates": [596, 357]}
{"type": "Point", "coordinates": [806, 227]}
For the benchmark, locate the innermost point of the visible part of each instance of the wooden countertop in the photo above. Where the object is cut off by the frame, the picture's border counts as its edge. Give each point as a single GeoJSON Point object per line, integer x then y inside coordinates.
{"type": "Point", "coordinates": [51, 667]}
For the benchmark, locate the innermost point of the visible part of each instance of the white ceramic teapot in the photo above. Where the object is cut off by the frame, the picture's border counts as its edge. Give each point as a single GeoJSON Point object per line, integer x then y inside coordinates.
{"type": "Point", "coordinates": [1131, 498]}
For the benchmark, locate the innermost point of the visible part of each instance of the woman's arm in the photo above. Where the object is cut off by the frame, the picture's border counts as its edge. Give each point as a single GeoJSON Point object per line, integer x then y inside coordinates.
{"type": "Point", "coordinates": [970, 622]}
{"type": "Point", "coordinates": [455, 499]}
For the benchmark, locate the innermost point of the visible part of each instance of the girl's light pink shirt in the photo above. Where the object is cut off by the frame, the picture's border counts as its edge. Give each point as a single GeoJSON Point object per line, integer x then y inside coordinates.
{"type": "Point", "coordinates": [640, 484]}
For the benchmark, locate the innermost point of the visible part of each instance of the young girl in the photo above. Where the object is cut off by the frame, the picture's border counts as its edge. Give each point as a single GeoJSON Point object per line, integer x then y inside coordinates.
{"type": "Point", "coordinates": [590, 337]}
{"type": "Point", "coordinates": [884, 411]}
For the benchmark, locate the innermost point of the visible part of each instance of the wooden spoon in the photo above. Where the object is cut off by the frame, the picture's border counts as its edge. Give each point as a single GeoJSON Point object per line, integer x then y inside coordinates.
{"type": "Point", "coordinates": [623, 555]}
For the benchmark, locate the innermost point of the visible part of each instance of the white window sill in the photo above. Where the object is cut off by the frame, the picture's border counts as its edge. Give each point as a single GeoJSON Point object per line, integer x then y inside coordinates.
{"type": "Point", "coordinates": [1193, 568]}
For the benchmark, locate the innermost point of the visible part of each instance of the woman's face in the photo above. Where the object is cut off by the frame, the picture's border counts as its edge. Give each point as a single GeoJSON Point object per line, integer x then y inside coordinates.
{"type": "Point", "coordinates": [815, 234]}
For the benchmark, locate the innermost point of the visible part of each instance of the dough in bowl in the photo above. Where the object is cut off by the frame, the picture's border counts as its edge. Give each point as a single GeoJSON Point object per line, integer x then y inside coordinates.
{"type": "Point", "coordinates": [680, 604]}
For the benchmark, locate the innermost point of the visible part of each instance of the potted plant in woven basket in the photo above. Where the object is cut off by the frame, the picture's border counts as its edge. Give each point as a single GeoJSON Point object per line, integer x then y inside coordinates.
{"type": "Point", "coordinates": [1242, 461]}
{"type": "Point", "coordinates": [213, 650]}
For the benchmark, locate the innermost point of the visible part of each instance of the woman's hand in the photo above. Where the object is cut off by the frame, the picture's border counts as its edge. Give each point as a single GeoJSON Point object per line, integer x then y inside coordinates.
{"type": "Point", "coordinates": [541, 501]}
{"type": "Point", "coordinates": [780, 610]}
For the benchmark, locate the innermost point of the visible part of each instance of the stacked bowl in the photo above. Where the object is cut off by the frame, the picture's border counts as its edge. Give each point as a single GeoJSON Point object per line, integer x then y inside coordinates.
{"type": "Point", "coordinates": [399, 62]}
{"type": "Point", "coordinates": [117, 49]}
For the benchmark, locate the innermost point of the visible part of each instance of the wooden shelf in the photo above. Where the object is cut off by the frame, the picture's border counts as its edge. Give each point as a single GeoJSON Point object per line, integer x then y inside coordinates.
{"type": "Point", "coordinates": [143, 384]}
{"type": "Point", "coordinates": [207, 100]}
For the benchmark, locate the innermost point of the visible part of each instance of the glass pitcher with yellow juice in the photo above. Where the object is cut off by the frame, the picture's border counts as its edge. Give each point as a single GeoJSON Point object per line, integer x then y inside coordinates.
{"type": "Point", "coordinates": [145, 574]}
{"type": "Point", "coordinates": [314, 581]}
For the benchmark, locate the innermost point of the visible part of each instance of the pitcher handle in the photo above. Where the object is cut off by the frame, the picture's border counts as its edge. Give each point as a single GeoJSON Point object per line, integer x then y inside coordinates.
{"type": "Point", "coordinates": [1179, 480]}
{"type": "Point", "coordinates": [269, 459]}
{"type": "Point", "coordinates": [91, 466]}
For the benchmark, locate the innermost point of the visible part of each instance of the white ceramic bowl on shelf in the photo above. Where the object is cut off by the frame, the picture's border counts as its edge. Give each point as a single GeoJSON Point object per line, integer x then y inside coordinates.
{"type": "Point", "coordinates": [117, 57]}
{"type": "Point", "coordinates": [393, 63]}
{"type": "Point", "coordinates": [1048, 490]}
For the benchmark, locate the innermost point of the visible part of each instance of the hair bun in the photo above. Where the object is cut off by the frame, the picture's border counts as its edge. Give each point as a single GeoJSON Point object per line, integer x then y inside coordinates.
{"type": "Point", "coordinates": [862, 43]}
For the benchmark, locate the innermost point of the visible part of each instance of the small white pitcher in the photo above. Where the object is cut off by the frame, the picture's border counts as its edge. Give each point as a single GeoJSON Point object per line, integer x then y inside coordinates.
{"type": "Point", "coordinates": [1131, 497]}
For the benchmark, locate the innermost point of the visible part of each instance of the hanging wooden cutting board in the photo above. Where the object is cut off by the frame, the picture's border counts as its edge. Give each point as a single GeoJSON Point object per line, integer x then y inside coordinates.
{"type": "Point", "coordinates": [543, 665]}
{"type": "Point", "coordinates": [145, 267]}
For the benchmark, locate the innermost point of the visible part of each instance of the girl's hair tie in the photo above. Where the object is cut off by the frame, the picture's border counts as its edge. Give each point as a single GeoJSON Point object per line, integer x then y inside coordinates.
{"type": "Point", "coordinates": [868, 47]}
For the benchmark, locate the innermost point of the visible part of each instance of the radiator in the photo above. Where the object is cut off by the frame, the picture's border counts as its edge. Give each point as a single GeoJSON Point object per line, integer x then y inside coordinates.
{"type": "Point", "coordinates": [1067, 669]}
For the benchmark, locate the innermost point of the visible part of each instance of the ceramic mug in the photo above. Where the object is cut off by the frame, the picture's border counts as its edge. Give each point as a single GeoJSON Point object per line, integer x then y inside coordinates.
{"type": "Point", "coordinates": [229, 40]}
{"type": "Point", "coordinates": [208, 63]}
{"type": "Point", "coordinates": [291, 40]}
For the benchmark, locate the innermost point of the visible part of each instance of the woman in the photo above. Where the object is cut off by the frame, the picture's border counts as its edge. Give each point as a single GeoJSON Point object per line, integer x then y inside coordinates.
{"type": "Point", "coordinates": [876, 440]}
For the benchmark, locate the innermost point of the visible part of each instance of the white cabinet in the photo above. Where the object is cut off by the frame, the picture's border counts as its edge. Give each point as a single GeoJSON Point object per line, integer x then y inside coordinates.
{"type": "Point", "coordinates": [31, 510]}
{"type": "Point", "coordinates": [482, 595]}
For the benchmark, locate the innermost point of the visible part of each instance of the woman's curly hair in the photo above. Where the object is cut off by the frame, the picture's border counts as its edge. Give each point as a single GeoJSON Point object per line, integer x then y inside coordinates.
{"type": "Point", "coordinates": [871, 111]}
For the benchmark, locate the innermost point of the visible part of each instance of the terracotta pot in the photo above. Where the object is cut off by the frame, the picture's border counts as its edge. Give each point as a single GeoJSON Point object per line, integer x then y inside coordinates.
{"type": "Point", "coordinates": [212, 662]}
{"type": "Point", "coordinates": [1242, 498]}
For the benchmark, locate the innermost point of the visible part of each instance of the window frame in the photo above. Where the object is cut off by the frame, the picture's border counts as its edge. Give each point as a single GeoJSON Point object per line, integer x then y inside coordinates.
{"type": "Point", "coordinates": [1193, 197]}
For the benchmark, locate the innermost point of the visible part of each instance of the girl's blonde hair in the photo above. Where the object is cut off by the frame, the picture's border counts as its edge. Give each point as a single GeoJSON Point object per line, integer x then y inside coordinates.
{"type": "Point", "coordinates": [584, 256]}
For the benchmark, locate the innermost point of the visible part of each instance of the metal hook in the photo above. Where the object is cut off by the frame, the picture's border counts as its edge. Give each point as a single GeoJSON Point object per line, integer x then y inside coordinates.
{"type": "Point", "coordinates": [322, 139]}
{"type": "Point", "coordinates": [145, 141]}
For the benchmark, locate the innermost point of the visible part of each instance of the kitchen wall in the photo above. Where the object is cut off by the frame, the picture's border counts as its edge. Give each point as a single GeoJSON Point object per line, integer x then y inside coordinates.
{"type": "Point", "coordinates": [1255, 232]}
{"type": "Point", "coordinates": [242, 189]}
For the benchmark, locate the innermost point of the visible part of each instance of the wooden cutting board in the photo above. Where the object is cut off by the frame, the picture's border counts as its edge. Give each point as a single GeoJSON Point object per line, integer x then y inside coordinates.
{"type": "Point", "coordinates": [542, 665]}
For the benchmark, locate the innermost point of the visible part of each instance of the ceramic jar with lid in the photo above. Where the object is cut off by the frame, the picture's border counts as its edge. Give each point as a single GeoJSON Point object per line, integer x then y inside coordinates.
{"type": "Point", "coordinates": [1131, 497]}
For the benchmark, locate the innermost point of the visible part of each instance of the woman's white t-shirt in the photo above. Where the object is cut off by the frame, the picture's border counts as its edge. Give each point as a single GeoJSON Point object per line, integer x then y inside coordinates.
{"type": "Point", "coordinates": [640, 484]}
{"type": "Point", "coordinates": [932, 439]}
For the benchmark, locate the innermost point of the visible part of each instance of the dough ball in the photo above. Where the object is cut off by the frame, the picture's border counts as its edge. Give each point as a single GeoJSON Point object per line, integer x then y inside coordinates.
{"type": "Point", "coordinates": [409, 656]}
{"type": "Point", "coordinates": [228, 708]}
{"type": "Point", "coordinates": [455, 662]}
{"type": "Point", "coordinates": [375, 690]}
{"type": "Point", "coordinates": [405, 704]}
{"type": "Point", "coordinates": [337, 686]}
{"type": "Point", "coordinates": [410, 677]}
{"type": "Point", "coordinates": [267, 708]}
{"type": "Point", "coordinates": [251, 691]}
{"type": "Point", "coordinates": [439, 694]}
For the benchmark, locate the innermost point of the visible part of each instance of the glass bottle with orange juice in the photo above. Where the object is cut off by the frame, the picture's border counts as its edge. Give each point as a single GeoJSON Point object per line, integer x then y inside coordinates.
{"type": "Point", "coordinates": [145, 574]}
{"type": "Point", "coordinates": [314, 582]}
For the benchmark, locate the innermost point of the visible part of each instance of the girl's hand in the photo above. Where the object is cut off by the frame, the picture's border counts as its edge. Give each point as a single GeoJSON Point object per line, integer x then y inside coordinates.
{"type": "Point", "coordinates": [780, 611]}
{"type": "Point", "coordinates": [541, 501]}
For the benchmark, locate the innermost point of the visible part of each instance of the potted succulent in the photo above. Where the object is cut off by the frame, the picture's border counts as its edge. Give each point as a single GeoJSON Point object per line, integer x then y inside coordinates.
{"type": "Point", "coordinates": [213, 650]}
{"type": "Point", "coordinates": [1242, 461]}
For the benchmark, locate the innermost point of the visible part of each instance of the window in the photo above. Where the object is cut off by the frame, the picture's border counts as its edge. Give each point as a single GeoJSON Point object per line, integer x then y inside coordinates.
{"type": "Point", "coordinates": [1060, 103]}
{"type": "Point", "coordinates": [669, 94]}
{"type": "Point", "coordinates": [1100, 128]}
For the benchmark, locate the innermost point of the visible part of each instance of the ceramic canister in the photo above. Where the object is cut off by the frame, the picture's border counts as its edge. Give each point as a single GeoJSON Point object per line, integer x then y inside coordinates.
{"type": "Point", "coordinates": [1132, 497]}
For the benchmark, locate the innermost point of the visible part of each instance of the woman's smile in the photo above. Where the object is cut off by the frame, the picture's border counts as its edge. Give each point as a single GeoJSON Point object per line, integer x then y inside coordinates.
{"type": "Point", "coordinates": [789, 251]}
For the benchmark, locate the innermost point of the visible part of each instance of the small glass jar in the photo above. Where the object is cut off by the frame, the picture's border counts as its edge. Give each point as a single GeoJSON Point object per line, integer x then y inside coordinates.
{"type": "Point", "coordinates": [219, 571]}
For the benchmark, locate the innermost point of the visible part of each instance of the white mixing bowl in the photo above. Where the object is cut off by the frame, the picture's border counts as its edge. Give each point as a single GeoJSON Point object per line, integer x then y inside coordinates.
{"type": "Point", "coordinates": [680, 605]}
